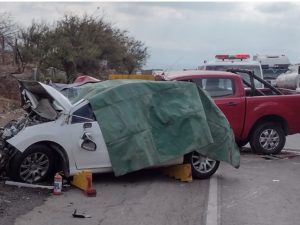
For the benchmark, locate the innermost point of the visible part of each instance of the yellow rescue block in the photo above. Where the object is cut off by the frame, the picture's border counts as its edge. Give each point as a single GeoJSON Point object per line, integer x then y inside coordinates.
{"type": "Point", "coordinates": [182, 172]}
{"type": "Point", "coordinates": [83, 181]}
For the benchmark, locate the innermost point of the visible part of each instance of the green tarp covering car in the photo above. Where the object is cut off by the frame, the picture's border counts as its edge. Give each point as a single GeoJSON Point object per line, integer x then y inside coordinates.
{"type": "Point", "coordinates": [146, 123]}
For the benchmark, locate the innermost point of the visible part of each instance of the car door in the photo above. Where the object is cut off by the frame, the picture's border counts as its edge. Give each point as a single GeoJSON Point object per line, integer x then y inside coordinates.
{"type": "Point", "coordinates": [84, 126]}
{"type": "Point", "coordinates": [222, 90]}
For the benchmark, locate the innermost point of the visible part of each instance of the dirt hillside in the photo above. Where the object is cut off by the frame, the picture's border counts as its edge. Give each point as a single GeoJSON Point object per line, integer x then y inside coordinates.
{"type": "Point", "coordinates": [9, 93]}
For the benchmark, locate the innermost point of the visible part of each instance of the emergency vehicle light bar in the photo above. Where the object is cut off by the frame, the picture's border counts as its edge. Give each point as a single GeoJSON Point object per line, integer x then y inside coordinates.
{"type": "Point", "coordinates": [237, 56]}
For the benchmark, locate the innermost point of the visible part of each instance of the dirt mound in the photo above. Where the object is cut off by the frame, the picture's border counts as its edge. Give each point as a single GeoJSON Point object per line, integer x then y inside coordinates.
{"type": "Point", "coordinates": [9, 87]}
{"type": "Point", "coordinates": [7, 69]}
{"type": "Point", "coordinates": [10, 115]}
{"type": "Point", "coordinates": [9, 90]}
{"type": "Point", "coordinates": [7, 105]}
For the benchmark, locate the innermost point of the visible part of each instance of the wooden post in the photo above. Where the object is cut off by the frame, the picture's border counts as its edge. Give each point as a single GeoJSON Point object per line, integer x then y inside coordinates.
{"type": "Point", "coordinates": [16, 59]}
{"type": "Point", "coordinates": [2, 49]}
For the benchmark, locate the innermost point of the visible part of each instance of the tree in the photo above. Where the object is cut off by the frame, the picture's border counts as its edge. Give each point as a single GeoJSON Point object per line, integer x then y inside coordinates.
{"type": "Point", "coordinates": [8, 30]}
{"type": "Point", "coordinates": [135, 55]}
{"type": "Point", "coordinates": [35, 43]}
{"type": "Point", "coordinates": [85, 44]}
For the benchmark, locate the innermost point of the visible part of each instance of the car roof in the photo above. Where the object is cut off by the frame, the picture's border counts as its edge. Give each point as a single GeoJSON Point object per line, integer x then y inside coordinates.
{"type": "Point", "coordinates": [177, 75]}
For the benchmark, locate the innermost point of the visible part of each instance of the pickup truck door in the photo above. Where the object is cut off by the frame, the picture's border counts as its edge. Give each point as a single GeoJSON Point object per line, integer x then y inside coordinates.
{"type": "Point", "coordinates": [234, 110]}
{"type": "Point", "coordinates": [223, 92]}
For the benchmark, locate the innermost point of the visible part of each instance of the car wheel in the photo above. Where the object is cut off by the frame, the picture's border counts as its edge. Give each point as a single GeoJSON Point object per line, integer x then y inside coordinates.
{"type": "Point", "coordinates": [268, 138]}
{"type": "Point", "coordinates": [34, 165]}
{"type": "Point", "coordinates": [202, 167]}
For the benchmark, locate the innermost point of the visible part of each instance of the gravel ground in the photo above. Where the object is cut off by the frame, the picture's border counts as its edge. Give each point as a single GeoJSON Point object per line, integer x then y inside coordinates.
{"type": "Point", "coordinates": [15, 201]}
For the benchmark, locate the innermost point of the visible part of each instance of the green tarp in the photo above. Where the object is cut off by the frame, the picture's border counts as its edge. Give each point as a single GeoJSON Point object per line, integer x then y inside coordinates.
{"type": "Point", "coordinates": [146, 123]}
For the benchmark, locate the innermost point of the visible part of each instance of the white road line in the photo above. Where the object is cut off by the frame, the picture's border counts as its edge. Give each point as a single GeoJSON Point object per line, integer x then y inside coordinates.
{"type": "Point", "coordinates": [212, 215]}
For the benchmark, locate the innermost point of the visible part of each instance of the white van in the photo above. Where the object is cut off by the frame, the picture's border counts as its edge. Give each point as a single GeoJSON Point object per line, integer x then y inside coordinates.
{"type": "Point", "coordinates": [272, 65]}
{"type": "Point", "coordinates": [238, 61]}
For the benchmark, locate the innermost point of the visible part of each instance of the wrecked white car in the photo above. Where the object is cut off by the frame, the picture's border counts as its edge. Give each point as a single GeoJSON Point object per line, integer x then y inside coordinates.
{"type": "Point", "coordinates": [56, 135]}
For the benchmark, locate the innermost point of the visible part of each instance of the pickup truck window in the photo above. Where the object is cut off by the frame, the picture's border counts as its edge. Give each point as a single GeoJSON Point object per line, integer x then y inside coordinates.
{"type": "Point", "coordinates": [254, 68]}
{"type": "Point", "coordinates": [216, 87]}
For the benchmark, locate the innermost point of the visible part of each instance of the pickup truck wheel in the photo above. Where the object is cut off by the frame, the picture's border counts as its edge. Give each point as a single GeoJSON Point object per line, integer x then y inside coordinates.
{"type": "Point", "coordinates": [202, 167]}
{"type": "Point", "coordinates": [32, 166]}
{"type": "Point", "coordinates": [268, 138]}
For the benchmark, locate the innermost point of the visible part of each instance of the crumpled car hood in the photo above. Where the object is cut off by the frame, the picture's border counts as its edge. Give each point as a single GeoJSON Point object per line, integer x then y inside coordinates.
{"type": "Point", "coordinates": [43, 99]}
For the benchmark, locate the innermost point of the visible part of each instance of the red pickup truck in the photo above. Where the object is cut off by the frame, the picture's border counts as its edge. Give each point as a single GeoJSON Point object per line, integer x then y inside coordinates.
{"type": "Point", "coordinates": [263, 117]}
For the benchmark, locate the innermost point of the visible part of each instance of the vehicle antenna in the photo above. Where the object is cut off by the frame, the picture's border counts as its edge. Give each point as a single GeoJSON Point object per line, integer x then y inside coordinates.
{"type": "Point", "coordinates": [174, 63]}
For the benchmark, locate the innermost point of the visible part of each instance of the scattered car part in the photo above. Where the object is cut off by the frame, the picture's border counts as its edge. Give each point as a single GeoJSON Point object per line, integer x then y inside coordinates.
{"type": "Point", "coordinates": [77, 215]}
{"type": "Point", "coordinates": [21, 184]}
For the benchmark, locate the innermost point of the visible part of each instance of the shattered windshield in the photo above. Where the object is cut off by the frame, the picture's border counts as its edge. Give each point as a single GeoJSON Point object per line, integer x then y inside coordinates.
{"type": "Point", "coordinates": [73, 93]}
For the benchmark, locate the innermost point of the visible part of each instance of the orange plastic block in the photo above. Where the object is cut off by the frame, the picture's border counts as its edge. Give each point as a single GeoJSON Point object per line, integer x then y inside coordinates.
{"type": "Point", "coordinates": [182, 172]}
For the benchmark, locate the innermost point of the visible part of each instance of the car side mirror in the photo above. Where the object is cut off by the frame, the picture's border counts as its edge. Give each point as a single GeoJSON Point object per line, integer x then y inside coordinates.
{"type": "Point", "coordinates": [87, 143]}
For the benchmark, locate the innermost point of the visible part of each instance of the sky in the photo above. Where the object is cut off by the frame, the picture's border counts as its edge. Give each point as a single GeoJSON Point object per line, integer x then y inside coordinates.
{"type": "Point", "coordinates": [181, 35]}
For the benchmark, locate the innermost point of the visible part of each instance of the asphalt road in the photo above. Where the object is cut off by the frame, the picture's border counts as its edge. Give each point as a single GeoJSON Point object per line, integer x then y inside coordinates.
{"type": "Point", "coordinates": [146, 197]}
{"type": "Point", "coordinates": [261, 192]}
{"type": "Point", "coordinates": [293, 142]}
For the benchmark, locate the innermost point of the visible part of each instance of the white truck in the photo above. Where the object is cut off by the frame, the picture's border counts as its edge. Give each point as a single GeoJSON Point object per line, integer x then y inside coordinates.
{"type": "Point", "coordinates": [233, 62]}
{"type": "Point", "coordinates": [272, 65]}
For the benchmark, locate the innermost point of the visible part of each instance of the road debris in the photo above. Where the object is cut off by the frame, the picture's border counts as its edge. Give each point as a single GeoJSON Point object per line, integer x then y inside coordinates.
{"type": "Point", "coordinates": [76, 215]}
{"type": "Point", "coordinates": [284, 155]}
{"type": "Point", "coordinates": [272, 157]}
{"type": "Point", "coordinates": [20, 184]}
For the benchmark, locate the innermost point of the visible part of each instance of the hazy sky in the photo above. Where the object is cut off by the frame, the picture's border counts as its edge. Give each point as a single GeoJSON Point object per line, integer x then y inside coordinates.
{"type": "Point", "coordinates": [182, 35]}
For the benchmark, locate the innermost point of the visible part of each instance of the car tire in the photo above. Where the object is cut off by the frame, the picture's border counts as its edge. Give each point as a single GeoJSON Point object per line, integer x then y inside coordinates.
{"type": "Point", "coordinates": [268, 138]}
{"type": "Point", "coordinates": [202, 167]}
{"type": "Point", "coordinates": [34, 165]}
